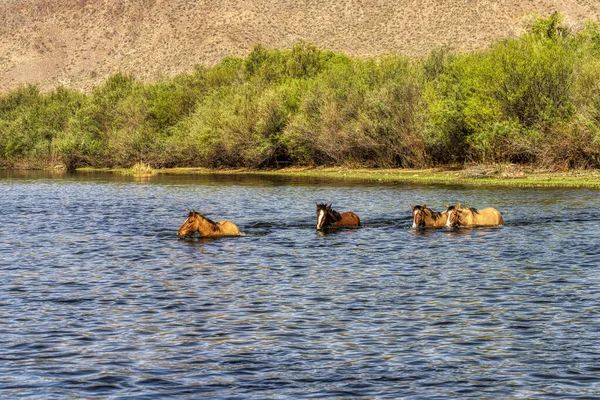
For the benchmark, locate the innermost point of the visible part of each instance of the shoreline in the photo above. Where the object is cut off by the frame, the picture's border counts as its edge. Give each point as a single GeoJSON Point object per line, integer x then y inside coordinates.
{"type": "Point", "coordinates": [475, 176]}
{"type": "Point", "coordinates": [478, 176]}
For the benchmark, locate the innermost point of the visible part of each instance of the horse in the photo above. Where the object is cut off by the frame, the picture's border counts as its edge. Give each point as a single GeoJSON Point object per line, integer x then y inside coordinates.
{"type": "Point", "coordinates": [458, 216]}
{"type": "Point", "coordinates": [328, 218]}
{"type": "Point", "coordinates": [424, 217]}
{"type": "Point", "coordinates": [196, 222]}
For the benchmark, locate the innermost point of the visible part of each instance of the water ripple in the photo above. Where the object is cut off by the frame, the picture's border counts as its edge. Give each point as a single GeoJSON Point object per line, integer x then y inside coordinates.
{"type": "Point", "coordinates": [99, 298]}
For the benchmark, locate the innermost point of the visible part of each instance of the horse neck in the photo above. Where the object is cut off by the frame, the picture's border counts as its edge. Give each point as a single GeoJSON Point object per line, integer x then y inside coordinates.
{"type": "Point", "coordinates": [441, 217]}
{"type": "Point", "coordinates": [465, 216]}
{"type": "Point", "coordinates": [433, 217]}
{"type": "Point", "coordinates": [205, 226]}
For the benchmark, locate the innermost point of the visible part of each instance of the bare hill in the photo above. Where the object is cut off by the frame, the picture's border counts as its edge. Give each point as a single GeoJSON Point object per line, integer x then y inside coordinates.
{"type": "Point", "coordinates": [78, 43]}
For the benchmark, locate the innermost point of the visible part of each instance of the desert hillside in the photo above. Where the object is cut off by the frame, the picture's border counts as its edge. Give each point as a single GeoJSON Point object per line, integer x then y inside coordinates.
{"type": "Point", "coordinates": [78, 43]}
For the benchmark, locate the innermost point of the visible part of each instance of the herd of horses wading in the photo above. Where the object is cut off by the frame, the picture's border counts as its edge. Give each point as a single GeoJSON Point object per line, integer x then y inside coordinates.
{"type": "Point", "coordinates": [328, 218]}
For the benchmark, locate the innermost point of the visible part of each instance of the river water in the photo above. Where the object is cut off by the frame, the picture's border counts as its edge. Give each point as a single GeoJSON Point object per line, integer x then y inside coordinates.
{"type": "Point", "coordinates": [100, 299]}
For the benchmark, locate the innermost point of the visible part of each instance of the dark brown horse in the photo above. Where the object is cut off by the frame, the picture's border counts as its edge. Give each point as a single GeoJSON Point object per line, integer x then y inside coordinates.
{"type": "Point", "coordinates": [328, 218]}
{"type": "Point", "coordinates": [196, 222]}
{"type": "Point", "coordinates": [459, 216]}
{"type": "Point", "coordinates": [424, 217]}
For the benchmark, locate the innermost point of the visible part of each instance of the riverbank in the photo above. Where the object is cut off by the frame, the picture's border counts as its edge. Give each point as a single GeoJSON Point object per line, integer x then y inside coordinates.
{"type": "Point", "coordinates": [481, 175]}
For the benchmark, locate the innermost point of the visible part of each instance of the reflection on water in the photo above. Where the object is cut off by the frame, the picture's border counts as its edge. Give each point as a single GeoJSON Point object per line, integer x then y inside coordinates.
{"type": "Point", "coordinates": [99, 298]}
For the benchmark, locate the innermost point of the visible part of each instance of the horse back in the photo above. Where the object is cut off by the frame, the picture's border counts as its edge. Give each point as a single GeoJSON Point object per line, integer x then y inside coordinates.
{"type": "Point", "coordinates": [348, 219]}
{"type": "Point", "coordinates": [228, 228]}
{"type": "Point", "coordinates": [488, 216]}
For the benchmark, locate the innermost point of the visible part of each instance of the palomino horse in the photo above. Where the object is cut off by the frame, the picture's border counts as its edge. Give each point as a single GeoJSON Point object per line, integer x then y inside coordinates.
{"type": "Point", "coordinates": [328, 218]}
{"type": "Point", "coordinates": [205, 227]}
{"type": "Point", "coordinates": [424, 217]}
{"type": "Point", "coordinates": [458, 216]}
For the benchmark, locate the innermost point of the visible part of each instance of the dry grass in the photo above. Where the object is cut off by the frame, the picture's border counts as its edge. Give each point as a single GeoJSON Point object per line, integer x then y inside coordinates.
{"type": "Point", "coordinates": [495, 171]}
{"type": "Point", "coordinates": [141, 169]}
{"type": "Point", "coordinates": [79, 43]}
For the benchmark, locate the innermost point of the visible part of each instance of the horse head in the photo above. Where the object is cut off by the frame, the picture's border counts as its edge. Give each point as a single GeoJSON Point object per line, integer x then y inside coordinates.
{"type": "Point", "coordinates": [322, 214]}
{"type": "Point", "coordinates": [453, 215]}
{"type": "Point", "coordinates": [418, 214]}
{"type": "Point", "coordinates": [190, 225]}
{"type": "Point", "coordinates": [326, 215]}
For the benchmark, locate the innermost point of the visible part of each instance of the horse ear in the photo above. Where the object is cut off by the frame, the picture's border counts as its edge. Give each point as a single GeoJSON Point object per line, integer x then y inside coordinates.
{"type": "Point", "coordinates": [424, 205]}
{"type": "Point", "coordinates": [447, 206]}
{"type": "Point", "coordinates": [412, 207]}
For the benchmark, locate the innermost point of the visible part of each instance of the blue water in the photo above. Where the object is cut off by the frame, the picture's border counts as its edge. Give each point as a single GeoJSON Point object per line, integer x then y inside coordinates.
{"type": "Point", "coordinates": [100, 299]}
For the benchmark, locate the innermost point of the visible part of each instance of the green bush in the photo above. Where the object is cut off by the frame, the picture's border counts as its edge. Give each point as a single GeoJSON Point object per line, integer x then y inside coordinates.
{"type": "Point", "coordinates": [529, 99]}
{"type": "Point", "coordinates": [498, 105]}
{"type": "Point", "coordinates": [361, 113]}
{"type": "Point", "coordinates": [29, 121]}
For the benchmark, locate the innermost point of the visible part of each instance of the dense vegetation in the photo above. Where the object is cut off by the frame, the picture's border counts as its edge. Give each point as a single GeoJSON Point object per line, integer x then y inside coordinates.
{"type": "Point", "coordinates": [533, 99]}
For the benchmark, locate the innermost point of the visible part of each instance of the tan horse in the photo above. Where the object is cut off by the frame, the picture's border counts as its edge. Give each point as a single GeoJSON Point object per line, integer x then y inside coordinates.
{"type": "Point", "coordinates": [205, 227]}
{"type": "Point", "coordinates": [458, 216]}
{"type": "Point", "coordinates": [424, 217]}
{"type": "Point", "coordinates": [328, 218]}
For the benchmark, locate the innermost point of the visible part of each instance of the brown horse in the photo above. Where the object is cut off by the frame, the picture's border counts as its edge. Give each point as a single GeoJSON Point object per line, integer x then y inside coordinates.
{"type": "Point", "coordinates": [328, 218]}
{"type": "Point", "coordinates": [424, 217]}
{"type": "Point", "coordinates": [196, 222]}
{"type": "Point", "coordinates": [458, 216]}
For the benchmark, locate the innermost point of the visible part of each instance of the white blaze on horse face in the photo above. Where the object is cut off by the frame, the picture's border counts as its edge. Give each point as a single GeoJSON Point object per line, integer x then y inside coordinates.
{"type": "Point", "coordinates": [320, 219]}
{"type": "Point", "coordinates": [414, 217]}
{"type": "Point", "coordinates": [448, 223]}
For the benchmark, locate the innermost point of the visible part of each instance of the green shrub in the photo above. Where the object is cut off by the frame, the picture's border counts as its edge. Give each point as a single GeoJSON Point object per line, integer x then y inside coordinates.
{"type": "Point", "coordinates": [29, 121]}
{"type": "Point", "coordinates": [533, 81]}
{"type": "Point", "coordinates": [361, 113]}
{"type": "Point", "coordinates": [528, 99]}
{"type": "Point", "coordinates": [496, 105]}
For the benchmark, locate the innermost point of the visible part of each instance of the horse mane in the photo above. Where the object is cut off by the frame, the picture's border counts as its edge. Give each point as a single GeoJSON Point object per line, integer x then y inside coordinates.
{"type": "Point", "coordinates": [435, 215]}
{"type": "Point", "coordinates": [335, 215]}
{"type": "Point", "coordinates": [429, 212]}
{"type": "Point", "coordinates": [472, 209]}
{"type": "Point", "coordinates": [212, 223]}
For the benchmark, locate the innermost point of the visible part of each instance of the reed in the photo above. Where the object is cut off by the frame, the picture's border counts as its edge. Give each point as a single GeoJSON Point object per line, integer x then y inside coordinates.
{"type": "Point", "coordinates": [141, 169]}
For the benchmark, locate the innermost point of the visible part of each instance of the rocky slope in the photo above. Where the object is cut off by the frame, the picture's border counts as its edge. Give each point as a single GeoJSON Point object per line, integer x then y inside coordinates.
{"type": "Point", "coordinates": [78, 43]}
